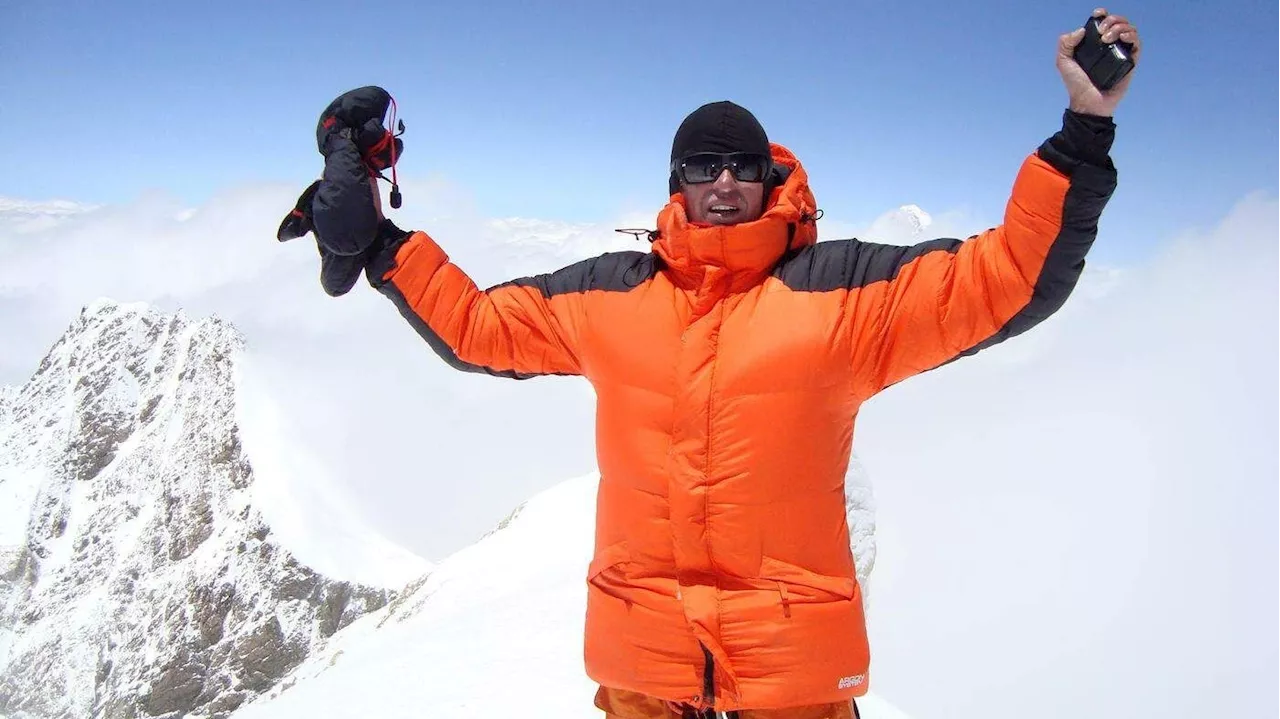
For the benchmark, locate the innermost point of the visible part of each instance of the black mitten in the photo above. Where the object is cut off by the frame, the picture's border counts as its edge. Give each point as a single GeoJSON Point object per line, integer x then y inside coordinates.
{"type": "Point", "coordinates": [355, 146]}
{"type": "Point", "coordinates": [357, 116]}
{"type": "Point", "coordinates": [338, 273]}
{"type": "Point", "coordinates": [343, 210]}
{"type": "Point", "coordinates": [340, 207]}
{"type": "Point", "coordinates": [353, 110]}
{"type": "Point", "coordinates": [299, 222]}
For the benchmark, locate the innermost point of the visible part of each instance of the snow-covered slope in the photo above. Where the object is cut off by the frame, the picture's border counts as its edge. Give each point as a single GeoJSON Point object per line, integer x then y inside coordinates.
{"type": "Point", "coordinates": [137, 578]}
{"type": "Point", "coordinates": [495, 629]}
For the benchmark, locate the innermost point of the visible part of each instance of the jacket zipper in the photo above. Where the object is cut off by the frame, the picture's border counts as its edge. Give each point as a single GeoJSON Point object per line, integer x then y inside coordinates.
{"type": "Point", "coordinates": [709, 678]}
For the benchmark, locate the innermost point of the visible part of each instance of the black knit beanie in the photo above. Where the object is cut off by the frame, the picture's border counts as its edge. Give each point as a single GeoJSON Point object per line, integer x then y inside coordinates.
{"type": "Point", "coordinates": [717, 127]}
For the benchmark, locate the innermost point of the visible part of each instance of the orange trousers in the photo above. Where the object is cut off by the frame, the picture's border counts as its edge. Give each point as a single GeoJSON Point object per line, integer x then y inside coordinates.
{"type": "Point", "coordinates": [620, 704]}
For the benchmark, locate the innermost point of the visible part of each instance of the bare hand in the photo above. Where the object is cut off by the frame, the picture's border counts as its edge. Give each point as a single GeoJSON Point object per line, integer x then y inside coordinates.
{"type": "Point", "coordinates": [1084, 96]}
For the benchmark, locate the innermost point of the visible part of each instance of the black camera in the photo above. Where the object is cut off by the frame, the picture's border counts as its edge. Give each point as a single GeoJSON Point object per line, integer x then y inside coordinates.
{"type": "Point", "coordinates": [1105, 63]}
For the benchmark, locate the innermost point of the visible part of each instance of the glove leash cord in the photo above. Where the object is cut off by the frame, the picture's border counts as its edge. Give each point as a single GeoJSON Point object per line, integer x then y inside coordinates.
{"type": "Point", "coordinates": [395, 185]}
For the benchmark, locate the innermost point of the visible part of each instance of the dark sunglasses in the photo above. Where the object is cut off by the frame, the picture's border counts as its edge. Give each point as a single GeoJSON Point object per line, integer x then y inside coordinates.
{"type": "Point", "coordinates": [707, 166]}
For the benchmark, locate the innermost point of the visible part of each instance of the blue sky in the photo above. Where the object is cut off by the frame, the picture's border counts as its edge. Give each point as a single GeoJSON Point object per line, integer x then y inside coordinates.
{"type": "Point", "coordinates": [566, 110]}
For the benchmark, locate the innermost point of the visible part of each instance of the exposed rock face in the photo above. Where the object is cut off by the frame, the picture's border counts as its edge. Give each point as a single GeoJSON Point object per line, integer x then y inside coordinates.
{"type": "Point", "coordinates": [137, 579]}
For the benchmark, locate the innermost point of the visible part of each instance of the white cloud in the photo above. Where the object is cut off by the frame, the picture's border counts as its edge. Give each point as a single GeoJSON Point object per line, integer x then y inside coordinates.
{"type": "Point", "coordinates": [432, 456]}
{"type": "Point", "coordinates": [1091, 529]}
{"type": "Point", "coordinates": [19, 217]}
{"type": "Point", "coordinates": [1079, 521]}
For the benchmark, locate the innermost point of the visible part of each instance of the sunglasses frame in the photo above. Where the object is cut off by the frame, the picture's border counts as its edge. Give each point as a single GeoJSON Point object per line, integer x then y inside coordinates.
{"type": "Point", "coordinates": [725, 160]}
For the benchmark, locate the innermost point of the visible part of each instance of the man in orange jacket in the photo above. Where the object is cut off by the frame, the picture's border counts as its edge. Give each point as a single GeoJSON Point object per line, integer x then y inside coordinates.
{"type": "Point", "coordinates": [729, 363]}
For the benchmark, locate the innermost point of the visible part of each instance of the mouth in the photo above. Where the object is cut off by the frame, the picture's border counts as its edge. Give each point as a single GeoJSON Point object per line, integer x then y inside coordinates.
{"type": "Point", "coordinates": [723, 210]}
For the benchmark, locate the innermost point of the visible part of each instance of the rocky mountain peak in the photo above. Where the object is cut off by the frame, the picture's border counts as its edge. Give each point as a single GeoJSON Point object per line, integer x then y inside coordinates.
{"type": "Point", "coordinates": [137, 578]}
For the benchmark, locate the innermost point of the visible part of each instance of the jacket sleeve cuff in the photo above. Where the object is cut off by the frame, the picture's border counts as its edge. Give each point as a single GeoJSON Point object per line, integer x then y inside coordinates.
{"type": "Point", "coordinates": [1083, 140]}
{"type": "Point", "coordinates": [382, 255]}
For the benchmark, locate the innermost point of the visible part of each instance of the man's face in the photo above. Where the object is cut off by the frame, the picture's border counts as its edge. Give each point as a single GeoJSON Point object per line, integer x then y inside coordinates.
{"type": "Point", "coordinates": [724, 201]}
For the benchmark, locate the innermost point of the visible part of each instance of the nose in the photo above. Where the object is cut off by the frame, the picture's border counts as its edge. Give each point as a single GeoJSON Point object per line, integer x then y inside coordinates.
{"type": "Point", "coordinates": [725, 179]}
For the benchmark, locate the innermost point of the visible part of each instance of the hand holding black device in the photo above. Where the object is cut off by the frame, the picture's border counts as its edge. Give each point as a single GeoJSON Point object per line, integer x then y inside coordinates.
{"type": "Point", "coordinates": [1105, 63]}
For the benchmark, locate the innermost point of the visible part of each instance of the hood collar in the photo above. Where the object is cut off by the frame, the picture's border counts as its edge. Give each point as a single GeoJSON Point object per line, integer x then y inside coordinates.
{"type": "Point", "coordinates": [745, 251]}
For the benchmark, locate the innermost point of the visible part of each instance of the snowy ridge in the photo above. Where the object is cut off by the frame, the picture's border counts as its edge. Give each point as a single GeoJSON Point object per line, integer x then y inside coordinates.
{"type": "Point", "coordinates": [498, 620]}
{"type": "Point", "coordinates": [136, 576]}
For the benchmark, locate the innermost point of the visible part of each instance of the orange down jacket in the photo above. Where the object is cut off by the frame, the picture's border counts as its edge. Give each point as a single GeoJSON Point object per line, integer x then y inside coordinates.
{"type": "Point", "coordinates": [729, 364]}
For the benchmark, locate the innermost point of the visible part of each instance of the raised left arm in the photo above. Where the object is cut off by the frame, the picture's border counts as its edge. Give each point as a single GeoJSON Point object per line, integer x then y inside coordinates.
{"type": "Point", "coordinates": [922, 306]}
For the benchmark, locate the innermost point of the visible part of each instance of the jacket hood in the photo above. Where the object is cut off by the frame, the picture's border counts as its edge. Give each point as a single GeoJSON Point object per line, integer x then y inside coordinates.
{"type": "Point", "coordinates": [746, 250]}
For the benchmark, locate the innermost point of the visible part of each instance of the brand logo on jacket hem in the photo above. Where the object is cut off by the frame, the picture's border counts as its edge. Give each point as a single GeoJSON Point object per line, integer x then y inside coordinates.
{"type": "Point", "coordinates": [856, 680]}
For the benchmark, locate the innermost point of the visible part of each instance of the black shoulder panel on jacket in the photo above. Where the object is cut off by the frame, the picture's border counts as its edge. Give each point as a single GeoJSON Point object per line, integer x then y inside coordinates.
{"type": "Point", "coordinates": [850, 264]}
{"type": "Point", "coordinates": [436, 342]}
{"type": "Point", "coordinates": [618, 271]}
{"type": "Point", "coordinates": [1080, 150]}
{"type": "Point", "coordinates": [610, 272]}
{"type": "Point", "coordinates": [1091, 187]}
